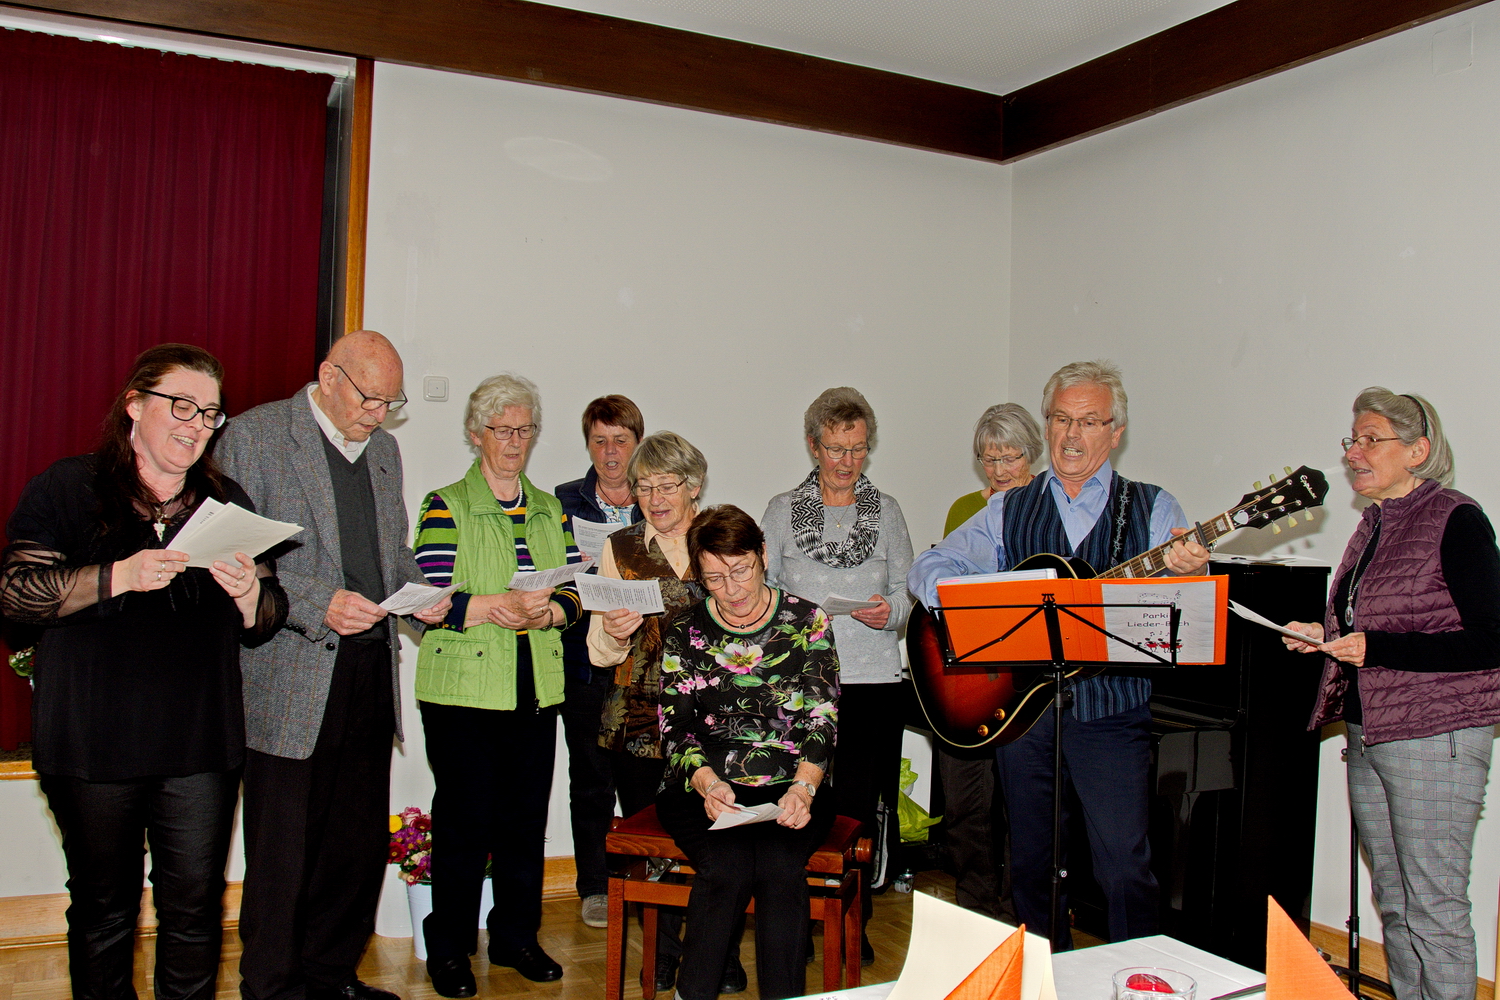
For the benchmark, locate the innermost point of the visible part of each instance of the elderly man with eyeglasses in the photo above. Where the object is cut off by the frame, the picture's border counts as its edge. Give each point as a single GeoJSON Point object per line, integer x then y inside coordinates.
{"type": "Point", "coordinates": [1078, 507]}
{"type": "Point", "coordinates": [322, 697]}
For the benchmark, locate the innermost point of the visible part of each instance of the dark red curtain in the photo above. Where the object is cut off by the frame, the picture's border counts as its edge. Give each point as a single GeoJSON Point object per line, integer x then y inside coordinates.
{"type": "Point", "coordinates": [145, 197]}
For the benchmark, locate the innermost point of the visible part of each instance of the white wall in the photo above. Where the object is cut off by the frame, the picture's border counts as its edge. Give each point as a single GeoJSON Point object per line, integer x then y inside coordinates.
{"type": "Point", "coordinates": [719, 272]}
{"type": "Point", "coordinates": [1258, 257]}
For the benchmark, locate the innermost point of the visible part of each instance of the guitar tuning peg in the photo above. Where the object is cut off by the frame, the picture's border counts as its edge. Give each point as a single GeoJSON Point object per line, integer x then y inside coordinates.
{"type": "Point", "coordinates": [1307, 516]}
{"type": "Point", "coordinates": [1291, 522]}
{"type": "Point", "coordinates": [1288, 469]}
{"type": "Point", "coordinates": [1275, 529]}
{"type": "Point", "coordinates": [1256, 486]}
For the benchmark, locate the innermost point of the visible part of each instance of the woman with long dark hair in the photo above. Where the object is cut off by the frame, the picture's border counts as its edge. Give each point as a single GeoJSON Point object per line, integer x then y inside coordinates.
{"type": "Point", "coordinates": [138, 725]}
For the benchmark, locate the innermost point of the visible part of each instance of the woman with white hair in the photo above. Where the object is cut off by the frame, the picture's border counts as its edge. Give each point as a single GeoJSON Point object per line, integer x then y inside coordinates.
{"type": "Point", "coordinates": [1412, 640]}
{"type": "Point", "coordinates": [1007, 443]}
{"type": "Point", "coordinates": [837, 534]}
{"type": "Point", "coordinates": [489, 680]}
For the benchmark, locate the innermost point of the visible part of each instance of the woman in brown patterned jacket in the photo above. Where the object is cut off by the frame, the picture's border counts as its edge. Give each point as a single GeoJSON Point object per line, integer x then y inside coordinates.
{"type": "Point", "coordinates": [666, 474]}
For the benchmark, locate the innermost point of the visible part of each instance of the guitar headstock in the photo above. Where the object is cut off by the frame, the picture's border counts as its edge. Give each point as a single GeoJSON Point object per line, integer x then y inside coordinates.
{"type": "Point", "coordinates": [1301, 490]}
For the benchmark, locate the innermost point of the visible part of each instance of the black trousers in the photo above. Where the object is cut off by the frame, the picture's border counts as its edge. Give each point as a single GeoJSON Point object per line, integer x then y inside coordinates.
{"type": "Point", "coordinates": [493, 771]}
{"type": "Point", "coordinates": [186, 820]}
{"type": "Point", "coordinates": [317, 838]}
{"type": "Point", "coordinates": [1107, 761]}
{"type": "Point", "coordinates": [761, 860]}
{"type": "Point", "coordinates": [591, 780]}
{"type": "Point", "coordinates": [974, 829]}
{"type": "Point", "coordinates": [867, 768]}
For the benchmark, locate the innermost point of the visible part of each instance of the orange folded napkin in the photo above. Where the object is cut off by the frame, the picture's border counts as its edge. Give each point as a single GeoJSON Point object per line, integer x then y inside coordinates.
{"type": "Point", "coordinates": [998, 977]}
{"type": "Point", "coordinates": [1294, 969]}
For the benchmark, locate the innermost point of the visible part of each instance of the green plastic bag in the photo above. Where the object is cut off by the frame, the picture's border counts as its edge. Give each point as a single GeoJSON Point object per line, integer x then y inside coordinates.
{"type": "Point", "coordinates": [914, 819]}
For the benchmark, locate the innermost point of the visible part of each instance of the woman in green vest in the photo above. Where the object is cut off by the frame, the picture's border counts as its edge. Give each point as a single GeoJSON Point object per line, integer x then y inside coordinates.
{"type": "Point", "coordinates": [489, 680]}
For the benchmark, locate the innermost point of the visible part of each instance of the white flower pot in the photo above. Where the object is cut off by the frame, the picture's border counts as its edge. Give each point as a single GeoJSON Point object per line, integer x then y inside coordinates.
{"type": "Point", "coordinates": [419, 901]}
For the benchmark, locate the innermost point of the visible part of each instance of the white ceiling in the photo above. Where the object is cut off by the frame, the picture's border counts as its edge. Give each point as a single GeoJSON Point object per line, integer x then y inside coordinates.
{"type": "Point", "coordinates": [992, 45]}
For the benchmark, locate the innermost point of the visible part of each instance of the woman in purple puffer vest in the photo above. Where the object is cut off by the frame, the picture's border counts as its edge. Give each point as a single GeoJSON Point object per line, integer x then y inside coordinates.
{"type": "Point", "coordinates": [1412, 636]}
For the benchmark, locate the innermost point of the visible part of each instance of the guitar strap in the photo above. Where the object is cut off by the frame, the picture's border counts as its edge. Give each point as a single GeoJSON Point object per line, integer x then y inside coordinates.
{"type": "Point", "coordinates": [1122, 521]}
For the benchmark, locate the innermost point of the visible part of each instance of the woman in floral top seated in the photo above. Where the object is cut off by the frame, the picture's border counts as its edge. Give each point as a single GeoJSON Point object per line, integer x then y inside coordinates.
{"type": "Point", "coordinates": [749, 715]}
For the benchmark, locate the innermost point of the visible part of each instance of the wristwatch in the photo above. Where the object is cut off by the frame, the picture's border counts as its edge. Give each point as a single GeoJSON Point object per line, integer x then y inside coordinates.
{"type": "Point", "coordinates": [812, 789]}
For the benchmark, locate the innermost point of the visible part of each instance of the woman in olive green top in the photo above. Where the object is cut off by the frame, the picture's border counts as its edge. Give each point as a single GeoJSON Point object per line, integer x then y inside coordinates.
{"type": "Point", "coordinates": [1007, 441]}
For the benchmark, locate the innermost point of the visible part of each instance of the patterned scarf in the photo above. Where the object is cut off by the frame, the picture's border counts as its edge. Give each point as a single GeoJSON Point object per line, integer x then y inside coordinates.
{"type": "Point", "coordinates": [807, 524]}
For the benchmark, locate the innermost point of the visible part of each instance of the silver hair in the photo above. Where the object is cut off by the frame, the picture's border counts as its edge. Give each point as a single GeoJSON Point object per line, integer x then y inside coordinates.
{"type": "Point", "coordinates": [667, 454]}
{"type": "Point", "coordinates": [495, 394]}
{"type": "Point", "coordinates": [839, 409]}
{"type": "Point", "coordinates": [1008, 425]}
{"type": "Point", "coordinates": [1101, 373]}
{"type": "Point", "coordinates": [1411, 418]}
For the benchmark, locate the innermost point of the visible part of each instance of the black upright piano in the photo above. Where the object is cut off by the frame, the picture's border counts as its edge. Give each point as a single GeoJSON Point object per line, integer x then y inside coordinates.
{"type": "Point", "coordinates": [1234, 779]}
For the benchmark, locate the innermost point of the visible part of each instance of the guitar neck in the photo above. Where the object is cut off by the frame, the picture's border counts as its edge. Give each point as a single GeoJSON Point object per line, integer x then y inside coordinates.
{"type": "Point", "coordinates": [1154, 561]}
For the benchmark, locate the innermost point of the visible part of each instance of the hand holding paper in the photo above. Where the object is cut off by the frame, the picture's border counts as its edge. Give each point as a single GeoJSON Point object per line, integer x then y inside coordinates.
{"type": "Point", "coordinates": [745, 815]}
{"type": "Point", "coordinates": [547, 579]}
{"type": "Point", "coordinates": [414, 597]}
{"type": "Point", "coordinates": [216, 531]}
{"type": "Point", "coordinates": [600, 593]}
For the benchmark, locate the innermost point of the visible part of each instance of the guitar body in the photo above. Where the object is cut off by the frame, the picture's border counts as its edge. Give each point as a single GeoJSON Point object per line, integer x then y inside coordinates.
{"type": "Point", "coordinates": [971, 706]}
{"type": "Point", "coordinates": [975, 706]}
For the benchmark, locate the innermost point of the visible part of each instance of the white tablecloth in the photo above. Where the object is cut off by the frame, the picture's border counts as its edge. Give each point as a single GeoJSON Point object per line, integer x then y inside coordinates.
{"type": "Point", "coordinates": [1086, 973]}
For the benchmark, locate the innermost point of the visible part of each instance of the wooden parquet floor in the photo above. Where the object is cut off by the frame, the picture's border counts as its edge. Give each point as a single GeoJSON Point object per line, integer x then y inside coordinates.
{"type": "Point", "coordinates": [41, 972]}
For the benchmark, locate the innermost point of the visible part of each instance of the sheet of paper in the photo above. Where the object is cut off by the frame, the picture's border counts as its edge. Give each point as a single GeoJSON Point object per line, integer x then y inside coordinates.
{"type": "Point", "coordinates": [600, 593]}
{"type": "Point", "coordinates": [544, 579]}
{"type": "Point", "coordinates": [948, 942]}
{"type": "Point", "coordinates": [745, 815]}
{"type": "Point", "coordinates": [590, 536]}
{"type": "Point", "coordinates": [836, 605]}
{"type": "Point", "coordinates": [414, 597]}
{"type": "Point", "coordinates": [1150, 627]}
{"type": "Point", "coordinates": [1251, 616]}
{"type": "Point", "coordinates": [1014, 574]}
{"type": "Point", "coordinates": [216, 531]}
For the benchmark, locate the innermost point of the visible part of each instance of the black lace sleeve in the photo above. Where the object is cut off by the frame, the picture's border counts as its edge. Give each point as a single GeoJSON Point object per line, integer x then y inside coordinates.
{"type": "Point", "coordinates": [270, 613]}
{"type": "Point", "coordinates": [37, 585]}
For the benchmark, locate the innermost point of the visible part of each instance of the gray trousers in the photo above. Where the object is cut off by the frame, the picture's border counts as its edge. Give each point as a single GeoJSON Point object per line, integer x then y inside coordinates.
{"type": "Point", "coordinates": [1416, 804]}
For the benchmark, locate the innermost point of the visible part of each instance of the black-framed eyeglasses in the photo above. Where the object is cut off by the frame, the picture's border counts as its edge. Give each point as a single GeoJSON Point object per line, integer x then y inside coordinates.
{"type": "Point", "coordinates": [185, 409]}
{"type": "Point", "coordinates": [503, 432]}
{"type": "Point", "coordinates": [374, 402]}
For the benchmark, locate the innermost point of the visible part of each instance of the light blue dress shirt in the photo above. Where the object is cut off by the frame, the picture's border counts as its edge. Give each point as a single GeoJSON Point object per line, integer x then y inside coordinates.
{"type": "Point", "coordinates": [978, 545]}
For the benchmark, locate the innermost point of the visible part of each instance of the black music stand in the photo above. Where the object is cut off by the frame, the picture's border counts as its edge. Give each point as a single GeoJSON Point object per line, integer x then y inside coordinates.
{"type": "Point", "coordinates": [1060, 667]}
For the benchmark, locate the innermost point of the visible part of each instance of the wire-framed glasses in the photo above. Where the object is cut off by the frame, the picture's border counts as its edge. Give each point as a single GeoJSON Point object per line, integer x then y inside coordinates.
{"type": "Point", "coordinates": [374, 402]}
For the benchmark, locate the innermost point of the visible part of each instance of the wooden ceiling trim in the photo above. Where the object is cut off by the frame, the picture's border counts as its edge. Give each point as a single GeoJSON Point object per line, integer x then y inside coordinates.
{"type": "Point", "coordinates": [1234, 44]}
{"type": "Point", "coordinates": [575, 50]}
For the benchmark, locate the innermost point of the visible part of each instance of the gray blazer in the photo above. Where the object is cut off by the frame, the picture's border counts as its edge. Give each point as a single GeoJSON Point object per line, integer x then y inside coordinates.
{"type": "Point", "coordinates": [275, 452]}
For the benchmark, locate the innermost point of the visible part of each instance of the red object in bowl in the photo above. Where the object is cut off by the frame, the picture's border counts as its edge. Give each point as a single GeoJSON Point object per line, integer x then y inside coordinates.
{"type": "Point", "coordinates": [1144, 982]}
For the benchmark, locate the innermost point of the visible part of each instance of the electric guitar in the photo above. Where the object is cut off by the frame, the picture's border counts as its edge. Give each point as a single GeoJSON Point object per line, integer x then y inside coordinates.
{"type": "Point", "coordinates": [974, 706]}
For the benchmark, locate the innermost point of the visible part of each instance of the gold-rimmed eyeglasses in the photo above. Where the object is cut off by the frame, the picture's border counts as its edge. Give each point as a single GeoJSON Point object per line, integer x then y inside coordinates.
{"type": "Point", "coordinates": [666, 489]}
{"type": "Point", "coordinates": [1365, 442]}
{"type": "Point", "coordinates": [1088, 425]}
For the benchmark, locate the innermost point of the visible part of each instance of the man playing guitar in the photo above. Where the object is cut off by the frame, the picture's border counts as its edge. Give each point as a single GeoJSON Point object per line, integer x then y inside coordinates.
{"type": "Point", "coordinates": [1079, 507]}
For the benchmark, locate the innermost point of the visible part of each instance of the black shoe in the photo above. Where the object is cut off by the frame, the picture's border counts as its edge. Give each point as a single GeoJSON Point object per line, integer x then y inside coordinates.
{"type": "Point", "coordinates": [866, 953]}
{"type": "Point", "coordinates": [734, 980]}
{"type": "Point", "coordinates": [451, 977]}
{"type": "Point", "coordinates": [530, 961]}
{"type": "Point", "coordinates": [353, 990]}
{"type": "Point", "coordinates": [666, 972]}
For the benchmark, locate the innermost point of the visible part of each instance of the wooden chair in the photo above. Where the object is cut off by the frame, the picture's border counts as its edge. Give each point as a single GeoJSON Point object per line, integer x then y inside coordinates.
{"type": "Point", "coordinates": [833, 878]}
